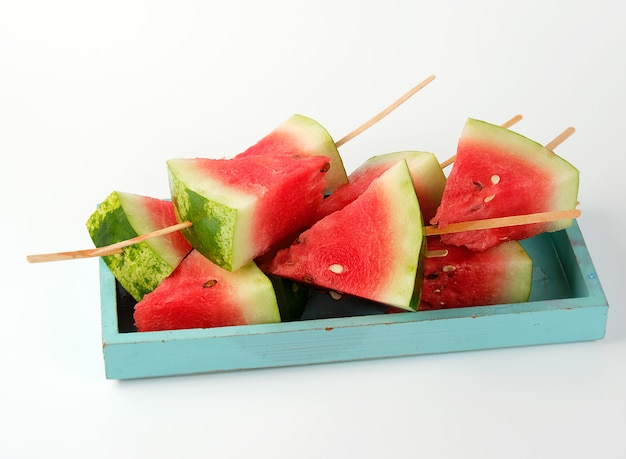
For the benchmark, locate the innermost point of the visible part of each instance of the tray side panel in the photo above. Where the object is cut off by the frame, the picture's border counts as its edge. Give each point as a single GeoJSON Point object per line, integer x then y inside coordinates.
{"type": "Point", "coordinates": [325, 345]}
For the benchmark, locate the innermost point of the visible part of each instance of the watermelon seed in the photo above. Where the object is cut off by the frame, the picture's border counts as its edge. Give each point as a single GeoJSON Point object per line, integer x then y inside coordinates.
{"type": "Point", "coordinates": [489, 198]}
{"type": "Point", "coordinates": [448, 268]}
{"type": "Point", "coordinates": [436, 253]}
{"type": "Point", "coordinates": [336, 268]}
{"type": "Point", "coordinates": [335, 295]}
{"type": "Point", "coordinates": [210, 283]}
{"type": "Point", "coordinates": [325, 168]}
{"type": "Point", "coordinates": [478, 185]}
{"type": "Point", "coordinates": [495, 179]}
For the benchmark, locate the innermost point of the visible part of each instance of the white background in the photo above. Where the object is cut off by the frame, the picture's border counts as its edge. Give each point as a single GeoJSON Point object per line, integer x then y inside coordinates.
{"type": "Point", "coordinates": [95, 96]}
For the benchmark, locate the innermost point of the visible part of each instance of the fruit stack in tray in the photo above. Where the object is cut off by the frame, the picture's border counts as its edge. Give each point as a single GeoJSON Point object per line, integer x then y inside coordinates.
{"type": "Point", "coordinates": [283, 221]}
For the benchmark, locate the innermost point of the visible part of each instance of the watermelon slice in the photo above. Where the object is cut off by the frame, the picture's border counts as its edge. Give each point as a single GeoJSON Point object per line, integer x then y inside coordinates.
{"type": "Point", "coordinates": [499, 173]}
{"type": "Point", "coordinates": [372, 248]}
{"type": "Point", "coordinates": [463, 277]}
{"type": "Point", "coordinates": [141, 267]}
{"type": "Point", "coordinates": [200, 294]}
{"type": "Point", "coordinates": [428, 179]}
{"type": "Point", "coordinates": [303, 136]}
{"type": "Point", "coordinates": [241, 207]}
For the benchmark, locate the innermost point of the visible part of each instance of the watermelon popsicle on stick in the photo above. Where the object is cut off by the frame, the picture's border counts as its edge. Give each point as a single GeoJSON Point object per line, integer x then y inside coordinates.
{"type": "Point", "coordinates": [244, 207]}
{"type": "Point", "coordinates": [499, 173]}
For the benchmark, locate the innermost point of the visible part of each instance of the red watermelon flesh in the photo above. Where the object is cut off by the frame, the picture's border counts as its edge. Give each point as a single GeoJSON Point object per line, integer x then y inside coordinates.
{"type": "Point", "coordinates": [241, 207]}
{"type": "Point", "coordinates": [303, 136]}
{"type": "Point", "coordinates": [499, 173]}
{"type": "Point", "coordinates": [463, 277]}
{"type": "Point", "coordinates": [372, 248]}
{"type": "Point", "coordinates": [200, 294]}
{"type": "Point", "coordinates": [428, 179]}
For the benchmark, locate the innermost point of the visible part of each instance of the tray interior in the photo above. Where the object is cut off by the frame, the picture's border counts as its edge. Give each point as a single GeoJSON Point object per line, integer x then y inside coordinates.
{"type": "Point", "coordinates": [556, 275]}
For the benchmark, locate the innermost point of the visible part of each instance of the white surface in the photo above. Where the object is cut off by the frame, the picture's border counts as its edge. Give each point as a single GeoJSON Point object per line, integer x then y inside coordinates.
{"type": "Point", "coordinates": [96, 96]}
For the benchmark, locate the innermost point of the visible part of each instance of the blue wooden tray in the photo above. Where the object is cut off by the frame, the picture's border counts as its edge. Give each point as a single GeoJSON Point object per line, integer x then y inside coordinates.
{"type": "Point", "coordinates": [567, 304]}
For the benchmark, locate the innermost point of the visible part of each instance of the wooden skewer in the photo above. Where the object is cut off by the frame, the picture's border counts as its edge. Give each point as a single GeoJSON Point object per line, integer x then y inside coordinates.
{"type": "Point", "coordinates": [499, 222]}
{"type": "Point", "coordinates": [514, 120]}
{"type": "Point", "coordinates": [448, 161]}
{"type": "Point", "coordinates": [428, 231]}
{"type": "Point", "coordinates": [436, 253]}
{"type": "Point", "coordinates": [513, 220]}
{"type": "Point", "coordinates": [384, 113]}
{"type": "Point", "coordinates": [61, 256]}
{"type": "Point", "coordinates": [559, 139]}
{"type": "Point", "coordinates": [162, 232]}
{"type": "Point", "coordinates": [106, 250]}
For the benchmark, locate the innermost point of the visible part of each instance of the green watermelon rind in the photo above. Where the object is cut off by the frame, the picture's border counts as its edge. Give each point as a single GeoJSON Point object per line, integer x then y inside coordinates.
{"type": "Point", "coordinates": [140, 268]}
{"type": "Point", "coordinates": [222, 216]}
{"type": "Point", "coordinates": [141, 221]}
{"type": "Point", "coordinates": [518, 272]}
{"type": "Point", "coordinates": [259, 303]}
{"type": "Point", "coordinates": [402, 198]}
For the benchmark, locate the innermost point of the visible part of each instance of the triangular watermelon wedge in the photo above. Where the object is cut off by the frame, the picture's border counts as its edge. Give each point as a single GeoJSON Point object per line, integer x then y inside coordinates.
{"type": "Point", "coordinates": [499, 173]}
{"type": "Point", "coordinates": [200, 294]}
{"type": "Point", "coordinates": [372, 248]}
